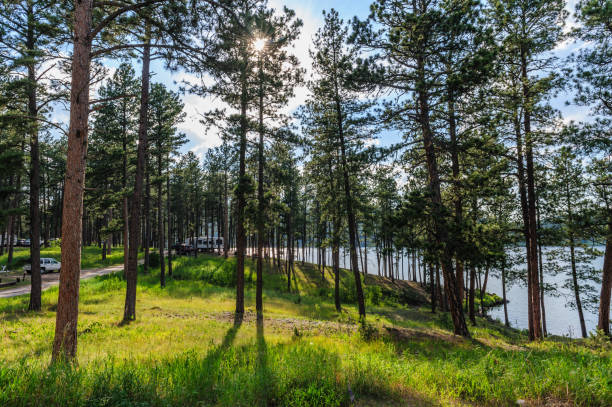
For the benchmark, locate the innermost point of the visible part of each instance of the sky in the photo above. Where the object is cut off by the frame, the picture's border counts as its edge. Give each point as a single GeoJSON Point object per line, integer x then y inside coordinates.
{"type": "Point", "coordinates": [310, 12]}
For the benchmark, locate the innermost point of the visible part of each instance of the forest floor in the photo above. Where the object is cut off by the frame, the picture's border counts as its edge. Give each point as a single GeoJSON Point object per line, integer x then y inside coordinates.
{"type": "Point", "coordinates": [187, 349]}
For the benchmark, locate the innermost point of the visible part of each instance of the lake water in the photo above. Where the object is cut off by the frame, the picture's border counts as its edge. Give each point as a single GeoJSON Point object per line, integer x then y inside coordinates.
{"type": "Point", "coordinates": [560, 318]}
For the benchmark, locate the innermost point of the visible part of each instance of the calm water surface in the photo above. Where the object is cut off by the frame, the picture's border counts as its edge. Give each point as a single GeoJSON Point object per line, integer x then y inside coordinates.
{"type": "Point", "coordinates": [560, 318]}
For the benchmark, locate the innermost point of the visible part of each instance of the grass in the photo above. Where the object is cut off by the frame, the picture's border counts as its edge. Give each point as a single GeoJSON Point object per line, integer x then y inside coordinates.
{"type": "Point", "coordinates": [186, 349]}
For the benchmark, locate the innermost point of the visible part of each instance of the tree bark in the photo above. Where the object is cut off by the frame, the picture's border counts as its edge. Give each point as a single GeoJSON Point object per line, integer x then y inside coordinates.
{"type": "Point", "coordinates": [452, 130]}
{"type": "Point", "coordinates": [241, 201]}
{"type": "Point", "coordinates": [169, 218]}
{"type": "Point", "coordinates": [129, 311]}
{"type": "Point", "coordinates": [260, 201]}
{"type": "Point", "coordinates": [160, 223]}
{"type": "Point", "coordinates": [531, 206]}
{"type": "Point", "coordinates": [65, 341]}
{"type": "Point", "coordinates": [440, 227]}
{"type": "Point", "coordinates": [350, 211]}
{"type": "Point", "coordinates": [506, 321]}
{"type": "Point", "coordinates": [146, 243]}
{"type": "Point", "coordinates": [603, 322]}
{"type": "Point", "coordinates": [36, 280]}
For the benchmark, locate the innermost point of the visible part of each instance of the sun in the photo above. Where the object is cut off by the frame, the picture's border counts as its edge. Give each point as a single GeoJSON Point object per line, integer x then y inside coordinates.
{"type": "Point", "coordinates": [259, 44]}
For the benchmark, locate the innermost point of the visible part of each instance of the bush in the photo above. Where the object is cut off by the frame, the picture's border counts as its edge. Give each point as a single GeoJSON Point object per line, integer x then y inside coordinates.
{"type": "Point", "coordinates": [373, 294]}
{"type": "Point", "coordinates": [368, 332]}
{"type": "Point", "coordinates": [154, 260]}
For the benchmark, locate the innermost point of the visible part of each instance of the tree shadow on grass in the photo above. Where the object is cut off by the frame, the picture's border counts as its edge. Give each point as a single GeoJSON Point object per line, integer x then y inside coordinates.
{"type": "Point", "coordinates": [205, 383]}
{"type": "Point", "coordinates": [264, 377]}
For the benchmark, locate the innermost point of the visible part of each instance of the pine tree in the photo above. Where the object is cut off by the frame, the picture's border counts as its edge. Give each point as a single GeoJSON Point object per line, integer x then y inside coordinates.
{"type": "Point", "coordinates": [277, 74]}
{"type": "Point", "coordinates": [594, 89]}
{"type": "Point", "coordinates": [344, 117]}
{"type": "Point", "coordinates": [528, 30]}
{"type": "Point", "coordinates": [412, 38]}
{"type": "Point", "coordinates": [165, 113]}
{"type": "Point", "coordinates": [33, 28]}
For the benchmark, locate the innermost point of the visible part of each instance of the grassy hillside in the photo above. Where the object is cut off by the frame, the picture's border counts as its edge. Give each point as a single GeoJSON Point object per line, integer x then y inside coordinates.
{"type": "Point", "coordinates": [186, 349]}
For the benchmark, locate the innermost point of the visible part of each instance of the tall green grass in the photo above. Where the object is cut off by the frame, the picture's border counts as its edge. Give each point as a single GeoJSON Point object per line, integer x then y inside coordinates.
{"type": "Point", "coordinates": [182, 351]}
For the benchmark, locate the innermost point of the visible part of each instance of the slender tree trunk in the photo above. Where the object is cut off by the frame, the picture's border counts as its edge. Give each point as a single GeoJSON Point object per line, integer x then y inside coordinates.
{"type": "Point", "coordinates": [603, 322]}
{"type": "Point", "coordinates": [483, 291]}
{"type": "Point", "coordinates": [260, 201]}
{"type": "Point", "coordinates": [365, 252]}
{"type": "Point", "coordinates": [336, 266]}
{"type": "Point", "coordinates": [146, 241]}
{"type": "Point", "coordinates": [36, 280]}
{"type": "Point", "coordinates": [525, 215]}
{"type": "Point", "coordinates": [472, 293]}
{"type": "Point", "coordinates": [65, 341]}
{"type": "Point", "coordinates": [572, 243]}
{"type": "Point", "coordinates": [241, 201]}
{"type": "Point", "coordinates": [169, 218]}
{"type": "Point", "coordinates": [129, 312]}
{"type": "Point", "coordinates": [531, 206]}
{"type": "Point", "coordinates": [225, 218]}
{"type": "Point", "coordinates": [506, 321]}
{"type": "Point", "coordinates": [577, 289]}
{"type": "Point", "coordinates": [452, 126]}
{"type": "Point", "coordinates": [349, 210]}
{"type": "Point", "coordinates": [432, 286]}
{"type": "Point", "coordinates": [541, 273]}
{"type": "Point", "coordinates": [440, 227]}
{"type": "Point", "coordinates": [160, 223]}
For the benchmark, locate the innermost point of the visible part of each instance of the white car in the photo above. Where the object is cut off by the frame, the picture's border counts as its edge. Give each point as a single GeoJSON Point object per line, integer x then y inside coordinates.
{"type": "Point", "coordinates": [47, 265]}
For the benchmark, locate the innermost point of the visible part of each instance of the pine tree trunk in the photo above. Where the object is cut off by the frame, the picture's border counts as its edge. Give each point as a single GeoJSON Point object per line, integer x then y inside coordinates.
{"type": "Point", "coordinates": [36, 280]}
{"type": "Point", "coordinates": [146, 241]}
{"type": "Point", "coordinates": [65, 340]}
{"type": "Point", "coordinates": [452, 129]}
{"type": "Point", "coordinates": [531, 207]}
{"type": "Point", "coordinates": [336, 266]}
{"type": "Point", "coordinates": [440, 227]}
{"type": "Point", "coordinates": [603, 322]}
{"type": "Point", "coordinates": [129, 312]}
{"type": "Point", "coordinates": [541, 273]}
{"type": "Point", "coordinates": [225, 218]}
{"type": "Point", "coordinates": [160, 223]}
{"type": "Point", "coordinates": [350, 212]}
{"type": "Point", "coordinates": [169, 218]}
{"type": "Point", "coordinates": [432, 287]}
{"type": "Point", "coordinates": [260, 202]}
{"type": "Point", "coordinates": [472, 293]}
{"type": "Point", "coordinates": [525, 215]}
{"type": "Point", "coordinates": [241, 201]}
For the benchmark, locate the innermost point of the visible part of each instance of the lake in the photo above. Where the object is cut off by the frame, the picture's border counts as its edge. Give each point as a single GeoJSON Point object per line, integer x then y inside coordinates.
{"type": "Point", "coordinates": [560, 318]}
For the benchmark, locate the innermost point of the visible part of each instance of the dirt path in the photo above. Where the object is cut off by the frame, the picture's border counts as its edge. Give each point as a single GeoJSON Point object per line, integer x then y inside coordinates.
{"type": "Point", "coordinates": [52, 279]}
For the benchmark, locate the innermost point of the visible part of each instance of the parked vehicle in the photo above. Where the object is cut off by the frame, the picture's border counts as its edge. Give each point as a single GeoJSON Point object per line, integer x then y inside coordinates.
{"type": "Point", "coordinates": [205, 244]}
{"type": "Point", "coordinates": [47, 265]}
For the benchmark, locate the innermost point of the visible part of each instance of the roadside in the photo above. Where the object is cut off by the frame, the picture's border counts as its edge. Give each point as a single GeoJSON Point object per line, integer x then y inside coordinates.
{"type": "Point", "coordinates": [52, 279]}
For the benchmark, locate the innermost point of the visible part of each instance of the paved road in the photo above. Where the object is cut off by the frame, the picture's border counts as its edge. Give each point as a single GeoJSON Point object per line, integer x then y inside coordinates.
{"type": "Point", "coordinates": [51, 279]}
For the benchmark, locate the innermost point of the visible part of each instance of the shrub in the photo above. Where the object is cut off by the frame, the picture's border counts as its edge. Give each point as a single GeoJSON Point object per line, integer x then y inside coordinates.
{"type": "Point", "coordinates": [154, 260]}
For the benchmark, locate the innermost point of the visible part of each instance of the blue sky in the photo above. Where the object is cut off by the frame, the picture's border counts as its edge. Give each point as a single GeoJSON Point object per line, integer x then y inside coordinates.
{"type": "Point", "coordinates": [310, 11]}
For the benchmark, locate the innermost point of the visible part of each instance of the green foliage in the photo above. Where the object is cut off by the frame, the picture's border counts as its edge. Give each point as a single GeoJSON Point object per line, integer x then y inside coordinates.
{"type": "Point", "coordinates": [154, 259]}
{"type": "Point", "coordinates": [367, 331]}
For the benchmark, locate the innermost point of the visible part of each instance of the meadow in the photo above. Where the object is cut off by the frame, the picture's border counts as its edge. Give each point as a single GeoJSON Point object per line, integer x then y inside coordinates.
{"type": "Point", "coordinates": [186, 348]}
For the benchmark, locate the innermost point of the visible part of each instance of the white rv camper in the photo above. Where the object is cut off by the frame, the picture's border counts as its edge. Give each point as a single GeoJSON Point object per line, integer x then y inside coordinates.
{"type": "Point", "coordinates": [205, 244]}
